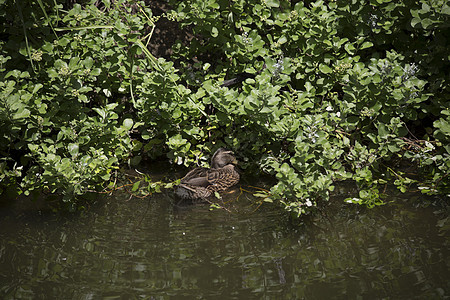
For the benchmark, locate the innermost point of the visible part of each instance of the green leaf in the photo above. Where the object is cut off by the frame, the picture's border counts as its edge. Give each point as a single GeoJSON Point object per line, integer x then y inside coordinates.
{"type": "Point", "coordinates": [382, 131]}
{"type": "Point", "coordinates": [393, 147]}
{"type": "Point", "coordinates": [397, 93]}
{"type": "Point", "coordinates": [272, 3]}
{"type": "Point", "coordinates": [63, 41]}
{"type": "Point", "coordinates": [414, 22]}
{"type": "Point", "coordinates": [33, 147]}
{"type": "Point", "coordinates": [214, 4]}
{"type": "Point", "coordinates": [443, 125]}
{"type": "Point", "coordinates": [88, 62]}
{"type": "Point", "coordinates": [83, 98]}
{"type": "Point", "coordinates": [135, 186]}
{"type": "Point", "coordinates": [325, 69]}
{"type": "Point", "coordinates": [100, 111]}
{"type": "Point", "coordinates": [425, 8]}
{"type": "Point", "coordinates": [135, 160]}
{"type": "Point", "coordinates": [282, 40]}
{"type": "Point", "coordinates": [73, 149]}
{"type": "Point", "coordinates": [73, 63]}
{"type": "Point", "coordinates": [446, 9]}
{"type": "Point", "coordinates": [214, 32]}
{"type": "Point", "coordinates": [366, 45]}
{"type": "Point", "coordinates": [59, 64]}
{"type": "Point", "coordinates": [426, 23]}
{"type": "Point", "coordinates": [349, 48]}
{"type": "Point", "coordinates": [37, 87]}
{"type": "Point", "coordinates": [128, 124]}
{"type": "Point", "coordinates": [21, 113]}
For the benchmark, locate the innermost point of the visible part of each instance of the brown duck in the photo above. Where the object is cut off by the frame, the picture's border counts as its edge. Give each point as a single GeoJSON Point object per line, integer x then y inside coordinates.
{"type": "Point", "coordinates": [201, 183]}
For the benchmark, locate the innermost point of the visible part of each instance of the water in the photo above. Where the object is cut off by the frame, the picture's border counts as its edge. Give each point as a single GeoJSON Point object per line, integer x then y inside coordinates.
{"type": "Point", "coordinates": [153, 249]}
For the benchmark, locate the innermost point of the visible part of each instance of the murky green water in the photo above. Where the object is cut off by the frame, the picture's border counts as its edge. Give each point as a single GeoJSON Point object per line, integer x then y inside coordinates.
{"type": "Point", "coordinates": [153, 249]}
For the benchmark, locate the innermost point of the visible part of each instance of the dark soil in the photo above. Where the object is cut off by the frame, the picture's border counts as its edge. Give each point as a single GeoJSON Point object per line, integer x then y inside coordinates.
{"type": "Point", "coordinates": [167, 32]}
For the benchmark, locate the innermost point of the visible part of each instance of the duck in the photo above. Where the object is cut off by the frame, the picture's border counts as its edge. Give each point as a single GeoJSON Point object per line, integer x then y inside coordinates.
{"type": "Point", "coordinates": [201, 183]}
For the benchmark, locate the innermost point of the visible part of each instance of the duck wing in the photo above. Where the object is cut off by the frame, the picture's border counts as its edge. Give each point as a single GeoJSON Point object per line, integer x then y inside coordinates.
{"type": "Point", "coordinates": [196, 177]}
{"type": "Point", "coordinates": [223, 178]}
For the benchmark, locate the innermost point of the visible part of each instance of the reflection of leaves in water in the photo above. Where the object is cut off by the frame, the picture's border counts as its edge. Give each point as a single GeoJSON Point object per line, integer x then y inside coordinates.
{"type": "Point", "coordinates": [281, 273]}
{"type": "Point", "coordinates": [149, 248]}
{"type": "Point", "coordinates": [444, 226]}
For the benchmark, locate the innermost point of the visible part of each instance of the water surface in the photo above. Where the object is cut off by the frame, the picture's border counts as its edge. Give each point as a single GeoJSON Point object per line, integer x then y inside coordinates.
{"type": "Point", "coordinates": [152, 248]}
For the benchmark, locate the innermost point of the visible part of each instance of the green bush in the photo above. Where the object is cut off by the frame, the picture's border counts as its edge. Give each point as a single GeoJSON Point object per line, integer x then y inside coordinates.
{"type": "Point", "coordinates": [349, 89]}
{"type": "Point", "coordinates": [340, 91]}
{"type": "Point", "coordinates": [65, 117]}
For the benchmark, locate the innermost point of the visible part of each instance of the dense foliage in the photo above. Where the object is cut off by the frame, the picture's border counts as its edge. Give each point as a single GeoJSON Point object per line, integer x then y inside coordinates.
{"type": "Point", "coordinates": [340, 90]}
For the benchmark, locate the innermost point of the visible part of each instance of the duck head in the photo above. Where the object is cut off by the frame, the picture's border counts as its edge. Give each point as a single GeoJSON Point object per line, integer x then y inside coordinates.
{"type": "Point", "coordinates": [221, 158]}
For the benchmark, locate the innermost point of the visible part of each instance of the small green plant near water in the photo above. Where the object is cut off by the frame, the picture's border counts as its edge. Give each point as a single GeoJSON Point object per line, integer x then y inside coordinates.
{"type": "Point", "coordinates": [340, 91]}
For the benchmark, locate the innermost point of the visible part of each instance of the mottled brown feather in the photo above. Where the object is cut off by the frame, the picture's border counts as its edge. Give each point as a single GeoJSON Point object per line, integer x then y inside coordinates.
{"type": "Point", "coordinates": [203, 182]}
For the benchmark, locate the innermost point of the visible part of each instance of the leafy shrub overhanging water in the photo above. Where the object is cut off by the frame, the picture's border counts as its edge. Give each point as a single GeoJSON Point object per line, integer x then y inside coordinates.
{"type": "Point", "coordinates": [341, 90]}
